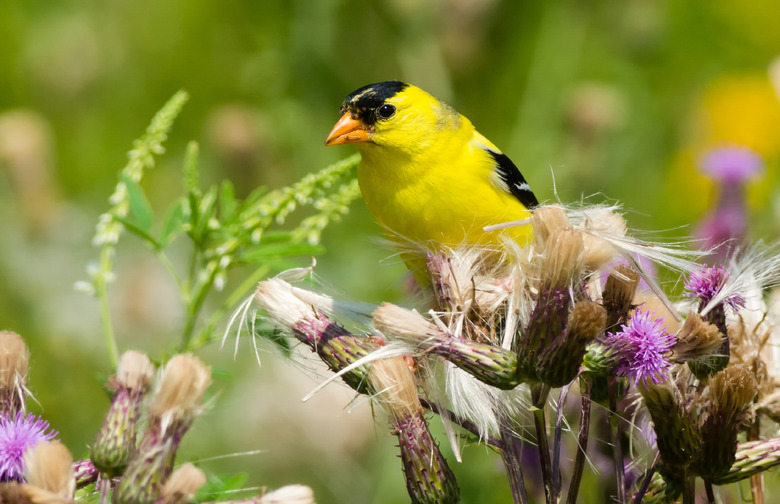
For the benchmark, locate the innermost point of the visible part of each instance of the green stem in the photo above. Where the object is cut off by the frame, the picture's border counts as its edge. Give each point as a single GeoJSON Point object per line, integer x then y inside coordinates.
{"type": "Point", "coordinates": [539, 395]}
{"type": "Point", "coordinates": [582, 440]}
{"type": "Point", "coordinates": [556, 460]}
{"type": "Point", "coordinates": [169, 267]}
{"type": "Point", "coordinates": [105, 310]}
{"type": "Point", "coordinates": [689, 489]}
{"type": "Point", "coordinates": [616, 433]}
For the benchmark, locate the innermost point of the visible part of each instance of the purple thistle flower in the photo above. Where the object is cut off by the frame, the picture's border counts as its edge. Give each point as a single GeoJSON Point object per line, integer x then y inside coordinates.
{"type": "Point", "coordinates": [16, 437]}
{"type": "Point", "coordinates": [642, 348]}
{"type": "Point", "coordinates": [706, 283]}
{"type": "Point", "coordinates": [725, 227]}
{"type": "Point", "coordinates": [732, 164]}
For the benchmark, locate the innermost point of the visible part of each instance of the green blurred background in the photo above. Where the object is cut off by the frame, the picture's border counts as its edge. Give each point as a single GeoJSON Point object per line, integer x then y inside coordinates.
{"type": "Point", "coordinates": [613, 101]}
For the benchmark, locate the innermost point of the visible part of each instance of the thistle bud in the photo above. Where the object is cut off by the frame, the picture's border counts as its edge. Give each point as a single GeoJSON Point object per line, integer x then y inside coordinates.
{"type": "Point", "coordinates": [677, 436]}
{"type": "Point", "coordinates": [488, 363]}
{"type": "Point", "coordinates": [560, 264]}
{"type": "Point", "coordinates": [85, 473]}
{"type": "Point", "coordinates": [49, 473]}
{"type": "Point", "coordinates": [731, 393]}
{"type": "Point", "coordinates": [429, 479]}
{"type": "Point", "coordinates": [14, 361]}
{"type": "Point", "coordinates": [115, 441]}
{"type": "Point", "coordinates": [560, 362]}
{"type": "Point", "coordinates": [752, 457]}
{"type": "Point", "coordinates": [705, 286]}
{"type": "Point", "coordinates": [547, 219]}
{"type": "Point", "coordinates": [696, 339]}
{"type": "Point", "coordinates": [336, 346]}
{"type": "Point", "coordinates": [619, 294]}
{"type": "Point", "coordinates": [183, 484]}
{"type": "Point", "coordinates": [177, 402]}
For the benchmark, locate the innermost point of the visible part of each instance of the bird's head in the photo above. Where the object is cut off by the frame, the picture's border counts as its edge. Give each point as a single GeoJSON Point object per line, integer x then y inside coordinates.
{"type": "Point", "coordinates": [392, 114]}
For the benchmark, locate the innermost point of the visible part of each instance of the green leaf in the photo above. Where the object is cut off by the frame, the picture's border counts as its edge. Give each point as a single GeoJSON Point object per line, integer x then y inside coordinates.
{"type": "Point", "coordinates": [222, 484]}
{"type": "Point", "coordinates": [191, 167]}
{"type": "Point", "coordinates": [206, 210]}
{"type": "Point", "coordinates": [133, 228]}
{"type": "Point", "coordinates": [140, 209]}
{"type": "Point", "coordinates": [227, 201]}
{"type": "Point", "coordinates": [174, 223]}
{"type": "Point", "coordinates": [193, 207]}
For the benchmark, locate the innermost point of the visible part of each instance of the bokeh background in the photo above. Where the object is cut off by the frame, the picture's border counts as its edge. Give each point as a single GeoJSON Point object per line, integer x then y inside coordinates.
{"type": "Point", "coordinates": [609, 101]}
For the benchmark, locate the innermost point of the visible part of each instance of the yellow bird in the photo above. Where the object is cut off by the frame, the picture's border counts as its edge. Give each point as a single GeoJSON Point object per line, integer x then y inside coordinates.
{"type": "Point", "coordinates": [426, 174]}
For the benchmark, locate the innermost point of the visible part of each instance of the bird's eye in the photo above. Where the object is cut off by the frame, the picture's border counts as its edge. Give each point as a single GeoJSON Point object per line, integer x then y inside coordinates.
{"type": "Point", "coordinates": [386, 111]}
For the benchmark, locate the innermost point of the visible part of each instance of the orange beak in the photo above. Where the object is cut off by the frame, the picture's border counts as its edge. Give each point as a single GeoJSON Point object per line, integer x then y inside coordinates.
{"type": "Point", "coordinates": [347, 131]}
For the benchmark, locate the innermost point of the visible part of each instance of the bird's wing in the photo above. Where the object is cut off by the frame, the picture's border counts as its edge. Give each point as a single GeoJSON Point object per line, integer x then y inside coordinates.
{"type": "Point", "coordinates": [509, 179]}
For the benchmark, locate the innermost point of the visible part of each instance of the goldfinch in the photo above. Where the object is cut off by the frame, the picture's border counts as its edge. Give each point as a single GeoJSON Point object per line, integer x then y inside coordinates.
{"type": "Point", "coordinates": [426, 174]}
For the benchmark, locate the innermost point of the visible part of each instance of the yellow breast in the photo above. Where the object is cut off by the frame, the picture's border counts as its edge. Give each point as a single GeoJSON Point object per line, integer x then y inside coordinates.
{"type": "Point", "coordinates": [444, 195]}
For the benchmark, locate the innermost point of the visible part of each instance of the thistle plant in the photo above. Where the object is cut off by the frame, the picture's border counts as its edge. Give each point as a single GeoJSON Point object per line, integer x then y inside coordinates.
{"type": "Point", "coordinates": [502, 340]}
{"type": "Point", "coordinates": [503, 328]}
{"type": "Point", "coordinates": [133, 458]}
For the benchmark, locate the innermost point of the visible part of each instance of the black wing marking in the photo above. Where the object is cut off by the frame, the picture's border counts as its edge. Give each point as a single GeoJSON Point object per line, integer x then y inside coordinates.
{"type": "Point", "coordinates": [514, 180]}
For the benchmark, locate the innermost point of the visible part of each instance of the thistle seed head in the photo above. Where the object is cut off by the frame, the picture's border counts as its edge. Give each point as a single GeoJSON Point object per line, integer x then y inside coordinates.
{"type": "Point", "coordinates": [696, 339]}
{"type": "Point", "coordinates": [14, 362]}
{"type": "Point", "coordinates": [49, 467]}
{"type": "Point", "coordinates": [135, 371]}
{"type": "Point", "coordinates": [183, 484]}
{"type": "Point", "coordinates": [183, 384]}
{"type": "Point", "coordinates": [395, 387]}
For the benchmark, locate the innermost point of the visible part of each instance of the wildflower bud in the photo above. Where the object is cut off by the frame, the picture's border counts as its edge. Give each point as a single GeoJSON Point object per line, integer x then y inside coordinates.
{"type": "Point", "coordinates": [429, 479]}
{"type": "Point", "coordinates": [115, 441]}
{"type": "Point", "coordinates": [14, 360]}
{"type": "Point", "coordinates": [676, 432]}
{"type": "Point", "coordinates": [49, 472]}
{"type": "Point", "coordinates": [619, 294]}
{"type": "Point", "coordinates": [706, 287]}
{"type": "Point", "coordinates": [562, 259]}
{"type": "Point", "coordinates": [13, 492]}
{"type": "Point", "coordinates": [488, 363]}
{"type": "Point", "coordinates": [290, 494]}
{"type": "Point", "coordinates": [665, 487]}
{"type": "Point", "coordinates": [599, 359]}
{"type": "Point", "coordinates": [183, 384]}
{"type": "Point", "coordinates": [183, 484]}
{"type": "Point", "coordinates": [336, 346]}
{"type": "Point", "coordinates": [85, 473]}
{"type": "Point", "coordinates": [731, 393]}
{"type": "Point", "coordinates": [560, 362]}
{"type": "Point", "coordinates": [546, 219]}
{"type": "Point", "coordinates": [560, 265]}
{"type": "Point", "coordinates": [752, 457]}
{"type": "Point", "coordinates": [696, 339]}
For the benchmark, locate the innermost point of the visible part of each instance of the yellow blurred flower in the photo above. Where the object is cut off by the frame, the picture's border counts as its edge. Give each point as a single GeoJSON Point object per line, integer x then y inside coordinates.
{"type": "Point", "coordinates": [735, 110]}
